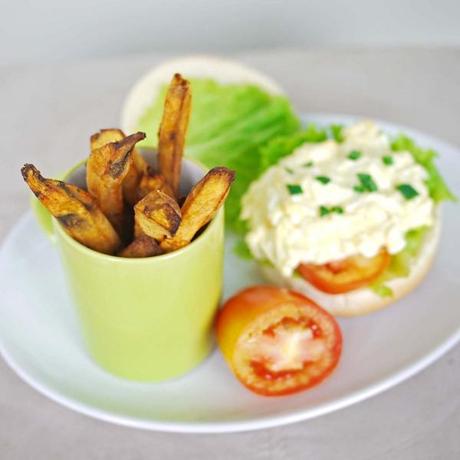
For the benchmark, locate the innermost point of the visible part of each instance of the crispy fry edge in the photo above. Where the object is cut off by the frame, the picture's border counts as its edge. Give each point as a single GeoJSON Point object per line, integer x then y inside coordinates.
{"type": "Point", "coordinates": [142, 246]}
{"type": "Point", "coordinates": [157, 215]}
{"type": "Point", "coordinates": [106, 170]}
{"type": "Point", "coordinates": [191, 223]}
{"type": "Point", "coordinates": [173, 130]}
{"type": "Point", "coordinates": [84, 221]}
{"type": "Point", "coordinates": [137, 169]}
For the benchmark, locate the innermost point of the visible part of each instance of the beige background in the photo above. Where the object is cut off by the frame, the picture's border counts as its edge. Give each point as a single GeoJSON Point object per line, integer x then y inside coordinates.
{"type": "Point", "coordinates": [46, 116]}
{"type": "Point", "coordinates": [58, 30]}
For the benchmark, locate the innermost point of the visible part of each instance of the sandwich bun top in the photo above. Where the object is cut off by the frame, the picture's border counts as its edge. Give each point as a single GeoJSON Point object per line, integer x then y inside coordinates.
{"type": "Point", "coordinates": [145, 90]}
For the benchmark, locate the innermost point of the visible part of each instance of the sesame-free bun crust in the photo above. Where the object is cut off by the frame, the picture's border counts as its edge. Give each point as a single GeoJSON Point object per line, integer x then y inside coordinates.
{"type": "Point", "coordinates": [145, 90]}
{"type": "Point", "coordinates": [363, 301]}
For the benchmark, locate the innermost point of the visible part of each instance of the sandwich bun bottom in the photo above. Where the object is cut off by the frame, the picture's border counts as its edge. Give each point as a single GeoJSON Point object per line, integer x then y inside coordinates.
{"type": "Point", "coordinates": [364, 300]}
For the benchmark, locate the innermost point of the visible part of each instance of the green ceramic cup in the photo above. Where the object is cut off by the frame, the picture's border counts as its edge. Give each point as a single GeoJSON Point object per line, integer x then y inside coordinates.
{"type": "Point", "coordinates": [146, 319]}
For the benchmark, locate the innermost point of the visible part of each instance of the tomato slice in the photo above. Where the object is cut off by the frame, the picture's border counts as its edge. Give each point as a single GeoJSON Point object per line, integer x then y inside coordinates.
{"type": "Point", "coordinates": [347, 274]}
{"type": "Point", "coordinates": [276, 341]}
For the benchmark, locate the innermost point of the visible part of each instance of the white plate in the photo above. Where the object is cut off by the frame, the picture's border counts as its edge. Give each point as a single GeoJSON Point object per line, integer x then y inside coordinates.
{"type": "Point", "coordinates": [40, 340]}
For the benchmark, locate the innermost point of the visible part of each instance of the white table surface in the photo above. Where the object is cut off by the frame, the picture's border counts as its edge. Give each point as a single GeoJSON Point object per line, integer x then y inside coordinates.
{"type": "Point", "coordinates": [47, 114]}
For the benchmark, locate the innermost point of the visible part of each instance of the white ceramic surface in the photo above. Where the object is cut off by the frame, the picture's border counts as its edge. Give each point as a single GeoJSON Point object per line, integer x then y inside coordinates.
{"type": "Point", "coordinates": [40, 339]}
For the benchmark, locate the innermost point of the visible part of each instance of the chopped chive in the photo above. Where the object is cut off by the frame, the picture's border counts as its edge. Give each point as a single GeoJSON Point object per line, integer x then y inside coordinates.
{"type": "Point", "coordinates": [387, 160]}
{"type": "Point", "coordinates": [367, 182]}
{"type": "Point", "coordinates": [407, 191]}
{"type": "Point", "coordinates": [354, 155]}
{"type": "Point", "coordinates": [323, 179]}
{"type": "Point", "coordinates": [382, 290]}
{"type": "Point", "coordinates": [337, 209]}
{"type": "Point", "coordinates": [289, 170]}
{"type": "Point", "coordinates": [337, 134]}
{"type": "Point", "coordinates": [359, 189]}
{"type": "Point", "coordinates": [308, 164]}
{"type": "Point", "coordinates": [294, 189]}
{"type": "Point", "coordinates": [324, 211]}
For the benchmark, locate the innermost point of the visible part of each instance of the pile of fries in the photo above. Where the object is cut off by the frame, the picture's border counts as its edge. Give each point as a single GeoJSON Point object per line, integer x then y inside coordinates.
{"type": "Point", "coordinates": [128, 209]}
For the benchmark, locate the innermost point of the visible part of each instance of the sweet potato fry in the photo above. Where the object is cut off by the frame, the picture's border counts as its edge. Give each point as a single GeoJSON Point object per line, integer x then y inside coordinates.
{"type": "Point", "coordinates": [152, 182]}
{"type": "Point", "coordinates": [173, 128]}
{"type": "Point", "coordinates": [200, 206]}
{"type": "Point", "coordinates": [136, 171]}
{"type": "Point", "coordinates": [106, 170]}
{"type": "Point", "coordinates": [157, 215]}
{"type": "Point", "coordinates": [137, 168]}
{"type": "Point", "coordinates": [106, 136]}
{"type": "Point", "coordinates": [143, 246]}
{"type": "Point", "coordinates": [141, 165]}
{"type": "Point", "coordinates": [75, 209]}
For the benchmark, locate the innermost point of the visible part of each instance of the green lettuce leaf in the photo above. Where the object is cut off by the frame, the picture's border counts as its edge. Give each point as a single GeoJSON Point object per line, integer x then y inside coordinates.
{"type": "Point", "coordinates": [228, 125]}
{"type": "Point", "coordinates": [400, 263]}
{"type": "Point", "coordinates": [242, 250]}
{"type": "Point", "coordinates": [439, 191]}
{"type": "Point", "coordinates": [337, 133]}
{"type": "Point", "coordinates": [283, 146]}
{"type": "Point", "coordinates": [437, 187]}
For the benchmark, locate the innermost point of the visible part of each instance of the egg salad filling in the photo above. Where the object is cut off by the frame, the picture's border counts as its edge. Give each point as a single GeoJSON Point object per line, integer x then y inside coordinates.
{"type": "Point", "coordinates": [331, 200]}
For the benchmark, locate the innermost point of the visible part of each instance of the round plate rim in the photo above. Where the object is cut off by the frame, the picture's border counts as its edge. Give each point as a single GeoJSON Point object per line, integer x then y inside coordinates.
{"type": "Point", "coordinates": [261, 422]}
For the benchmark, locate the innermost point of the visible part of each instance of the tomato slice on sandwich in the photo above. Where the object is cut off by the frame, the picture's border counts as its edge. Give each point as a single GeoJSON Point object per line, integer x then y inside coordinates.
{"type": "Point", "coordinates": [347, 274]}
{"type": "Point", "coordinates": [277, 341]}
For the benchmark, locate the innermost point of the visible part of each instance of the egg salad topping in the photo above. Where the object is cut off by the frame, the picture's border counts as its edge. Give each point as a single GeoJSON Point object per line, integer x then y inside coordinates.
{"type": "Point", "coordinates": [330, 200]}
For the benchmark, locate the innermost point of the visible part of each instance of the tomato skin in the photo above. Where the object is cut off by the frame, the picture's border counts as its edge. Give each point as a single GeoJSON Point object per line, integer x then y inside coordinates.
{"type": "Point", "coordinates": [239, 315]}
{"type": "Point", "coordinates": [240, 310]}
{"type": "Point", "coordinates": [345, 275]}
